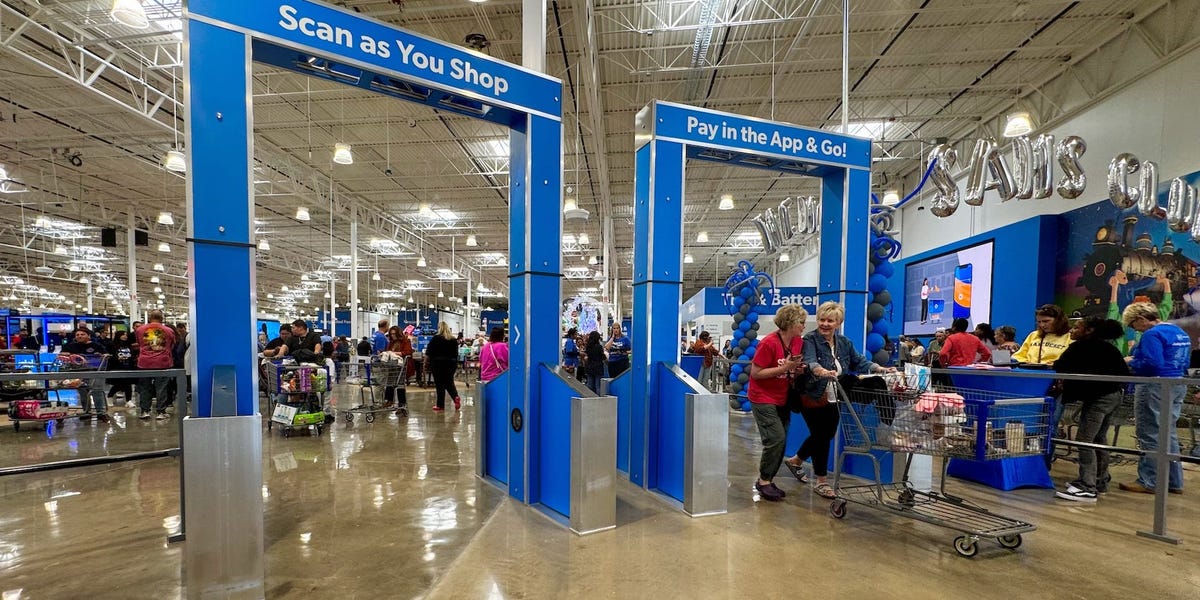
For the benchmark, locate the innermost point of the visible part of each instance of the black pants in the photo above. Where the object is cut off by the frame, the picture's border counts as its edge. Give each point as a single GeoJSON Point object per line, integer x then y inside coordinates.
{"type": "Point", "coordinates": [389, 395]}
{"type": "Point", "coordinates": [924, 309]}
{"type": "Point", "coordinates": [122, 385]}
{"type": "Point", "coordinates": [443, 379]}
{"type": "Point", "coordinates": [618, 366]}
{"type": "Point", "coordinates": [822, 427]}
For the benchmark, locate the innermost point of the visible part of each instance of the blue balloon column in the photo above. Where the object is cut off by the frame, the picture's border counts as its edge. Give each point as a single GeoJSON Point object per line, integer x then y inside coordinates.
{"type": "Point", "coordinates": [879, 300]}
{"type": "Point", "coordinates": [744, 297]}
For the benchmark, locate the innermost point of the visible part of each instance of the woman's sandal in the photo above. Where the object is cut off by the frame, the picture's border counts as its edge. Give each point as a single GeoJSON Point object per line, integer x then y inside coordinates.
{"type": "Point", "coordinates": [797, 471]}
{"type": "Point", "coordinates": [823, 490]}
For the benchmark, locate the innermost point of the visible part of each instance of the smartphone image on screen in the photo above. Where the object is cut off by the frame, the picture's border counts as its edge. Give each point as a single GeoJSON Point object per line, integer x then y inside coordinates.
{"type": "Point", "coordinates": [962, 291]}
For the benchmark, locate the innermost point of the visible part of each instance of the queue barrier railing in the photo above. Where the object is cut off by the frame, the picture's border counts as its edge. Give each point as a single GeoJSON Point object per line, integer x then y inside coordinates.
{"type": "Point", "coordinates": [1162, 456]}
{"type": "Point", "coordinates": [181, 411]}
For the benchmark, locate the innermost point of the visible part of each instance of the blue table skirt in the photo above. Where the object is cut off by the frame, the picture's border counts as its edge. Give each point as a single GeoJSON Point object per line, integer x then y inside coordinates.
{"type": "Point", "coordinates": [1008, 473]}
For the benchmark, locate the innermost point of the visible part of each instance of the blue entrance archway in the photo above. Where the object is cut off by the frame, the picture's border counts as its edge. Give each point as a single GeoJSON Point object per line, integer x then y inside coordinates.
{"type": "Point", "coordinates": [661, 428]}
{"type": "Point", "coordinates": [223, 467]}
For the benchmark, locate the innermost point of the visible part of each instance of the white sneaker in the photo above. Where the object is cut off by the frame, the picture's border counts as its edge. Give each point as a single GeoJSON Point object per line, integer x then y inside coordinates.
{"type": "Point", "coordinates": [1076, 494]}
{"type": "Point", "coordinates": [162, 416]}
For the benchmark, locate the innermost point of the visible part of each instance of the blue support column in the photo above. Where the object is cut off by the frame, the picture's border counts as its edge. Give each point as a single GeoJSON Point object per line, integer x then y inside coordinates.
{"type": "Point", "coordinates": [221, 214]}
{"type": "Point", "coordinates": [535, 227]}
{"type": "Point", "coordinates": [657, 289]}
{"type": "Point", "coordinates": [845, 236]}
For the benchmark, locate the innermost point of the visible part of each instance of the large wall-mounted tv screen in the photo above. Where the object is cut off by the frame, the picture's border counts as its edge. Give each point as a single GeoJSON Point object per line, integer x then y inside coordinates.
{"type": "Point", "coordinates": [943, 288]}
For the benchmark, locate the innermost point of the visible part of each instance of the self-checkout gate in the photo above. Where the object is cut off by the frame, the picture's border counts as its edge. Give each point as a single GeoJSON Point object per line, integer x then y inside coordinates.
{"type": "Point", "coordinates": [224, 478]}
{"type": "Point", "coordinates": [666, 429]}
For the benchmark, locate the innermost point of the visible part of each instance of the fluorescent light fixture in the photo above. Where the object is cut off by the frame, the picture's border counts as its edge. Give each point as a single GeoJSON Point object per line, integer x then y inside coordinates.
{"type": "Point", "coordinates": [421, 262]}
{"type": "Point", "coordinates": [471, 241]}
{"type": "Point", "coordinates": [1019, 123]}
{"type": "Point", "coordinates": [165, 218]}
{"type": "Point", "coordinates": [155, 279]}
{"type": "Point", "coordinates": [584, 239]}
{"type": "Point", "coordinates": [173, 160]}
{"type": "Point", "coordinates": [302, 213]}
{"type": "Point", "coordinates": [687, 259]}
{"type": "Point", "coordinates": [785, 257]}
{"type": "Point", "coordinates": [164, 247]}
{"type": "Point", "coordinates": [702, 237]}
{"type": "Point", "coordinates": [726, 202]}
{"type": "Point", "coordinates": [263, 244]}
{"type": "Point", "coordinates": [376, 277]}
{"type": "Point", "coordinates": [891, 198]}
{"type": "Point", "coordinates": [129, 13]}
{"type": "Point", "coordinates": [425, 210]}
{"type": "Point", "coordinates": [342, 155]}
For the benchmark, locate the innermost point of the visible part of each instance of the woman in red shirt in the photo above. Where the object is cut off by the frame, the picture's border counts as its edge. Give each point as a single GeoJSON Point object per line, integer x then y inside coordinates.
{"type": "Point", "coordinates": [961, 348]}
{"type": "Point", "coordinates": [771, 372]}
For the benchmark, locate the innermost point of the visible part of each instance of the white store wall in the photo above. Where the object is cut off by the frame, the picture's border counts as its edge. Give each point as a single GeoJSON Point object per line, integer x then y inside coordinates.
{"type": "Point", "coordinates": [1155, 119]}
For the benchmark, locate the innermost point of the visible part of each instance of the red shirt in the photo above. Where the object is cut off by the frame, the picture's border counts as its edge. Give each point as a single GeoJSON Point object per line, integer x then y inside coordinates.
{"type": "Point", "coordinates": [156, 343]}
{"type": "Point", "coordinates": [960, 350]}
{"type": "Point", "coordinates": [770, 354]}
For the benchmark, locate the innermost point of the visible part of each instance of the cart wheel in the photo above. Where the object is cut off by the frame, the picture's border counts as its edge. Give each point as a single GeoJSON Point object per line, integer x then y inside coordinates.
{"type": "Point", "coordinates": [965, 546]}
{"type": "Point", "coordinates": [1012, 542]}
{"type": "Point", "coordinates": [907, 498]}
{"type": "Point", "coordinates": [16, 426]}
{"type": "Point", "coordinates": [349, 417]}
{"type": "Point", "coordinates": [269, 423]}
{"type": "Point", "coordinates": [287, 433]}
{"type": "Point", "coordinates": [320, 430]}
{"type": "Point", "coordinates": [61, 421]}
{"type": "Point", "coordinates": [370, 417]}
{"type": "Point", "coordinates": [837, 508]}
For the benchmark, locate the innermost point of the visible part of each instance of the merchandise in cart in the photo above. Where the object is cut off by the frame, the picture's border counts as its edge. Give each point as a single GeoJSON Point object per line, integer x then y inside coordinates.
{"type": "Point", "coordinates": [945, 422]}
{"type": "Point", "coordinates": [30, 400]}
{"type": "Point", "coordinates": [382, 375]}
{"type": "Point", "coordinates": [297, 396]}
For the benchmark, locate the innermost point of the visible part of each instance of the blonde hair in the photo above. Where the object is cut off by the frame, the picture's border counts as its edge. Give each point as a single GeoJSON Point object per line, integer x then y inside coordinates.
{"type": "Point", "coordinates": [444, 331]}
{"type": "Point", "coordinates": [831, 309]}
{"type": "Point", "coordinates": [789, 316]}
{"type": "Point", "coordinates": [1138, 310]}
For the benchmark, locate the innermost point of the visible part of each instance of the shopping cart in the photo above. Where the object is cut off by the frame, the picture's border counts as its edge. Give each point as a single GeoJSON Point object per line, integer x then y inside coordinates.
{"type": "Point", "coordinates": [946, 422]}
{"type": "Point", "coordinates": [92, 401]}
{"type": "Point", "coordinates": [297, 396]}
{"type": "Point", "coordinates": [30, 400]}
{"type": "Point", "coordinates": [378, 374]}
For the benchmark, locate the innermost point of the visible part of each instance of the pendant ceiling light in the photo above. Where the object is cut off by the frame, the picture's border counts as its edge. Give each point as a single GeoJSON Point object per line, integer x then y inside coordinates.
{"type": "Point", "coordinates": [173, 160]}
{"type": "Point", "coordinates": [165, 218]}
{"type": "Point", "coordinates": [891, 198]}
{"type": "Point", "coordinates": [155, 279]}
{"type": "Point", "coordinates": [1019, 123]}
{"type": "Point", "coordinates": [702, 237]}
{"type": "Point", "coordinates": [441, 294]}
{"type": "Point", "coordinates": [159, 267]}
{"type": "Point", "coordinates": [584, 239]}
{"type": "Point", "coordinates": [263, 244]}
{"type": "Point", "coordinates": [471, 241]}
{"type": "Point", "coordinates": [129, 13]}
{"type": "Point", "coordinates": [60, 250]}
{"type": "Point", "coordinates": [376, 277]}
{"type": "Point", "coordinates": [687, 259]}
{"type": "Point", "coordinates": [785, 257]}
{"type": "Point", "coordinates": [593, 260]}
{"type": "Point", "coordinates": [421, 261]}
{"type": "Point", "coordinates": [425, 210]}
{"type": "Point", "coordinates": [302, 214]}
{"type": "Point", "coordinates": [342, 155]}
{"type": "Point", "coordinates": [164, 247]}
{"type": "Point", "coordinates": [571, 210]}
{"type": "Point", "coordinates": [726, 202]}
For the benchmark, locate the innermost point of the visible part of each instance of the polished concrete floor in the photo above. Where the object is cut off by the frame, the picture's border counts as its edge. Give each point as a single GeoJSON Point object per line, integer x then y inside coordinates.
{"type": "Point", "coordinates": [392, 509]}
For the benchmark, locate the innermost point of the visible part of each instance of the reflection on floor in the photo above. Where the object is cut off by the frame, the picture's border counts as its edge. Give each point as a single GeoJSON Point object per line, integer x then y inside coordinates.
{"type": "Point", "coordinates": [391, 509]}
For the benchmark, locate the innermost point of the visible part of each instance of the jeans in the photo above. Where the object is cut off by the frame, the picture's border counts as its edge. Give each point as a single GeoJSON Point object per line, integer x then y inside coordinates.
{"type": "Point", "coordinates": [1094, 419]}
{"type": "Point", "coordinates": [153, 387]}
{"type": "Point", "coordinates": [772, 424]}
{"type": "Point", "coordinates": [705, 376]}
{"type": "Point", "coordinates": [1147, 399]}
{"type": "Point", "coordinates": [822, 427]}
{"type": "Point", "coordinates": [1055, 421]}
{"type": "Point", "coordinates": [92, 400]}
{"type": "Point", "coordinates": [593, 381]}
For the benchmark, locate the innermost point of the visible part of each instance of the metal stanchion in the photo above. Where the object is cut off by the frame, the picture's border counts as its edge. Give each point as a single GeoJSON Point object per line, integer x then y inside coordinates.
{"type": "Point", "coordinates": [181, 411]}
{"type": "Point", "coordinates": [1162, 468]}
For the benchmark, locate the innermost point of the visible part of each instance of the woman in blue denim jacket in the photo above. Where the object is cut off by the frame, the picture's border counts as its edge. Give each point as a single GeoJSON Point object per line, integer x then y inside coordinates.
{"type": "Point", "coordinates": [828, 354]}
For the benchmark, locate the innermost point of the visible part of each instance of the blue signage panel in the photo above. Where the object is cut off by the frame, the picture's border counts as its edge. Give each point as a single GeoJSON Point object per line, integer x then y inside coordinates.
{"type": "Point", "coordinates": [333, 31]}
{"type": "Point", "coordinates": [698, 126]}
{"type": "Point", "coordinates": [717, 302]}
